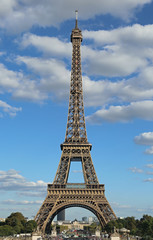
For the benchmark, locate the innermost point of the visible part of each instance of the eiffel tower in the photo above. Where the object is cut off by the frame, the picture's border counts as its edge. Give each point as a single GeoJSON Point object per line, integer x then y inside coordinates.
{"type": "Point", "coordinates": [61, 194]}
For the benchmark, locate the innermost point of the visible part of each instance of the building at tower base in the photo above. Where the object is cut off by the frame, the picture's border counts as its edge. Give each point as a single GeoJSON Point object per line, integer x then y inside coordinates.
{"type": "Point", "coordinates": [61, 216]}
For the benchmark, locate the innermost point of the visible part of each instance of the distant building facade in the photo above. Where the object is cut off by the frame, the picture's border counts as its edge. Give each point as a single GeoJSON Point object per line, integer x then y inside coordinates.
{"type": "Point", "coordinates": [2, 219]}
{"type": "Point", "coordinates": [72, 224]}
{"type": "Point", "coordinates": [84, 219]}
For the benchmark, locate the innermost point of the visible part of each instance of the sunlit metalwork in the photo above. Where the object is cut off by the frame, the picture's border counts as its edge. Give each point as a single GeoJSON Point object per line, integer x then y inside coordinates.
{"type": "Point", "coordinates": [90, 194]}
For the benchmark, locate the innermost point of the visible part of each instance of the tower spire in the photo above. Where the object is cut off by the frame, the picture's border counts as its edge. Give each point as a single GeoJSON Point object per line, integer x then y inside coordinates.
{"type": "Point", "coordinates": [76, 129]}
{"type": "Point", "coordinates": [76, 19]}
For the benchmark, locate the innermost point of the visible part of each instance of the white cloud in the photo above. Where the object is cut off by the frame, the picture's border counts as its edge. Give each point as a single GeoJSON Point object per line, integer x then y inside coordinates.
{"type": "Point", "coordinates": [117, 205]}
{"type": "Point", "coordinates": [136, 170]}
{"type": "Point", "coordinates": [13, 13]}
{"type": "Point", "coordinates": [100, 62]}
{"type": "Point", "coordinates": [142, 110]}
{"type": "Point", "coordinates": [119, 56]}
{"type": "Point", "coordinates": [25, 202]}
{"type": "Point", "coordinates": [149, 150]}
{"type": "Point", "coordinates": [19, 85]}
{"type": "Point", "coordinates": [6, 7]}
{"type": "Point", "coordinates": [127, 210]}
{"type": "Point", "coordinates": [145, 138]}
{"type": "Point", "coordinates": [9, 79]}
{"type": "Point", "coordinates": [77, 171]}
{"type": "Point", "coordinates": [33, 194]}
{"type": "Point", "coordinates": [148, 180]}
{"type": "Point", "coordinates": [53, 77]}
{"type": "Point", "coordinates": [112, 62]}
{"type": "Point", "coordinates": [149, 166]}
{"type": "Point", "coordinates": [20, 192]}
{"type": "Point", "coordinates": [102, 92]}
{"type": "Point", "coordinates": [11, 180]}
{"type": "Point", "coordinates": [30, 90]}
{"type": "Point", "coordinates": [48, 45]}
{"type": "Point", "coordinates": [149, 173]}
{"type": "Point", "coordinates": [118, 51]}
{"type": "Point", "coordinates": [49, 77]}
{"type": "Point", "coordinates": [8, 109]}
{"type": "Point", "coordinates": [2, 53]}
{"type": "Point", "coordinates": [130, 36]}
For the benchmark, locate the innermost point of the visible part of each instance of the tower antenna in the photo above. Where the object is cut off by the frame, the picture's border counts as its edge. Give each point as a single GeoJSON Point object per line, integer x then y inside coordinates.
{"type": "Point", "coordinates": [76, 18]}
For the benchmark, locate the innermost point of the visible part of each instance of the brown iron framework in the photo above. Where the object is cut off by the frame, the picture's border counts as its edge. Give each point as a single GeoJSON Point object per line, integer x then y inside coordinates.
{"type": "Point", "coordinates": [90, 194]}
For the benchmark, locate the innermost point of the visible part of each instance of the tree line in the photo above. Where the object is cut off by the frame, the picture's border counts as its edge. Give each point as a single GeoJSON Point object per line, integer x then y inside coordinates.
{"type": "Point", "coordinates": [142, 227]}
{"type": "Point", "coordinates": [16, 223]}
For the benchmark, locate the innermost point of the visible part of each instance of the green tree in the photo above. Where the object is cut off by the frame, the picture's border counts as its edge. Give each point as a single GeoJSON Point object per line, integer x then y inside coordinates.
{"type": "Point", "coordinates": [6, 230]}
{"type": "Point", "coordinates": [30, 226]}
{"type": "Point", "coordinates": [142, 227]}
{"type": "Point", "coordinates": [17, 221]}
{"type": "Point", "coordinates": [15, 218]}
{"type": "Point", "coordinates": [146, 226]}
{"type": "Point", "coordinates": [130, 223]}
{"type": "Point", "coordinates": [110, 226]}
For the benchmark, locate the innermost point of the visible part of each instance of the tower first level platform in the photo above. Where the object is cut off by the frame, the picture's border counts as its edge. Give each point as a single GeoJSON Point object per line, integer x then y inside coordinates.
{"type": "Point", "coordinates": [59, 197]}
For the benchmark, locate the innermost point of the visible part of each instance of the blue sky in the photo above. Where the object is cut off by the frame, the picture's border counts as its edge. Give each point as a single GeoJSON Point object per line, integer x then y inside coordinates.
{"type": "Point", "coordinates": [117, 68]}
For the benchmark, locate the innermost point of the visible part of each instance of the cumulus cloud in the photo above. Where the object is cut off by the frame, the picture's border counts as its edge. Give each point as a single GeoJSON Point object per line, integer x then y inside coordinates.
{"type": "Point", "coordinates": [118, 51]}
{"type": "Point", "coordinates": [11, 180]}
{"type": "Point", "coordinates": [7, 7]}
{"type": "Point", "coordinates": [9, 79]}
{"type": "Point", "coordinates": [48, 78]}
{"type": "Point", "coordinates": [149, 150]}
{"type": "Point", "coordinates": [102, 92]}
{"type": "Point", "coordinates": [112, 63]}
{"type": "Point", "coordinates": [125, 80]}
{"type": "Point", "coordinates": [141, 36]}
{"type": "Point", "coordinates": [115, 59]}
{"type": "Point", "coordinates": [100, 62]}
{"type": "Point", "coordinates": [13, 13]}
{"type": "Point", "coordinates": [145, 139]}
{"type": "Point", "coordinates": [20, 85]}
{"type": "Point", "coordinates": [48, 45]}
{"type": "Point", "coordinates": [142, 110]}
{"type": "Point", "coordinates": [117, 54]}
{"type": "Point", "coordinates": [53, 77]}
{"type": "Point", "coordinates": [20, 192]}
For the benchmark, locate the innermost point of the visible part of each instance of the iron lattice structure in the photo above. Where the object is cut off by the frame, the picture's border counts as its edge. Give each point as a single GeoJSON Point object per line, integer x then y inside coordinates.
{"type": "Point", "coordinates": [90, 194]}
